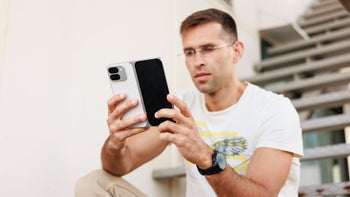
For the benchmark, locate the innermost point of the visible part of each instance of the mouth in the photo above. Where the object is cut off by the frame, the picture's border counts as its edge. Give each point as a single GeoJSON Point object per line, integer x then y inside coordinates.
{"type": "Point", "coordinates": [202, 77]}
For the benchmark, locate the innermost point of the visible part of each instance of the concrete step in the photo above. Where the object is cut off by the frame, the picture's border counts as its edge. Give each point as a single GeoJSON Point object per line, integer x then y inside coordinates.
{"type": "Point", "coordinates": [166, 173]}
{"type": "Point", "coordinates": [322, 19]}
{"type": "Point", "coordinates": [285, 73]}
{"type": "Point", "coordinates": [328, 123]}
{"type": "Point", "coordinates": [317, 82]}
{"type": "Point", "coordinates": [327, 27]}
{"type": "Point", "coordinates": [312, 42]}
{"type": "Point", "coordinates": [325, 189]}
{"type": "Point", "coordinates": [326, 152]}
{"type": "Point", "coordinates": [322, 101]}
{"type": "Point", "coordinates": [302, 55]}
{"type": "Point", "coordinates": [323, 4]}
{"type": "Point", "coordinates": [333, 7]}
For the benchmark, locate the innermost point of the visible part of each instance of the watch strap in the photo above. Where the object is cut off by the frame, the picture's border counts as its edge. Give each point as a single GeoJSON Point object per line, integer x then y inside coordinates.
{"type": "Point", "coordinates": [214, 169]}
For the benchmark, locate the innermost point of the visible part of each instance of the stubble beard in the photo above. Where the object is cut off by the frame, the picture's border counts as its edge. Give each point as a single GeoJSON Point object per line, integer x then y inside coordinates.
{"type": "Point", "coordinates": [208, 88]}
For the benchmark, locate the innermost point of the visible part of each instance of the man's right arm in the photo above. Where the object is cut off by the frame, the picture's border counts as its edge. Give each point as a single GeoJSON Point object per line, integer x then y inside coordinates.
{"type": "Point", "coordinates": [128, 148]}
{"type": "Point", "coordinates": [136, 151]}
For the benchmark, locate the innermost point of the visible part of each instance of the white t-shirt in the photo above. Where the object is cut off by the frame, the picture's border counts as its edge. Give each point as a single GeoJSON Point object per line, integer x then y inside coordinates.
{"type": "Point", "coordinates": [259, 119]}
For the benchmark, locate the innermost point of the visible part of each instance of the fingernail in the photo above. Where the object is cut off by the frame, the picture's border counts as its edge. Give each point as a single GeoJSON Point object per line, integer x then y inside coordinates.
{"type": "Point", "coordinates": [170, 96]}
{"type": "Point", "coordinates": [122, 95]}
{"type": "Point", "coordinates": [133, 101]}
{"type": "Point", "coordinates": [142, 117]}
{"type": "Point", "coordinates": [156, 115]}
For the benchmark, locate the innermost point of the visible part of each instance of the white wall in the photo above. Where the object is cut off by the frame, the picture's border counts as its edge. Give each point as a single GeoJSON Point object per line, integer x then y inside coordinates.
{"type": "Point", "coordinates": [3, 24]}
{"type": "Point", "coordinates": [54, 89]}
{"type": "Point", "coordinates": [275, 13]}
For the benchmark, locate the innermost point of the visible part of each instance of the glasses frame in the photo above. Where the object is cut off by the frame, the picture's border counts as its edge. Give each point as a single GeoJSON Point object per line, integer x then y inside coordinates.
{"type": "Point", "coordinates": [200, 49]}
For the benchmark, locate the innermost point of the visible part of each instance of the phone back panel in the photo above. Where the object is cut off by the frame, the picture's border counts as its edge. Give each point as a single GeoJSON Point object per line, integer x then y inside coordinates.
{"type": "Point", "coordinates": [127, 83]}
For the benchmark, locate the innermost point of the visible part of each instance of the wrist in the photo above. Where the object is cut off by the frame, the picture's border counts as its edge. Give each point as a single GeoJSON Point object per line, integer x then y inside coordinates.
{"type": "Point", "coordinates": [206, 160]}
{"type": "Point", "coordinates": [218, 164]}
{"type": "Point", "coordinates": [114, 149]}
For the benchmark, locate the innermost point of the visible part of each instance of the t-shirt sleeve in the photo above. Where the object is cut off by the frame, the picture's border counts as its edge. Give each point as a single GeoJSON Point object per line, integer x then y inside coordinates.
{"type": "Point", "coordinates": [279, 127]}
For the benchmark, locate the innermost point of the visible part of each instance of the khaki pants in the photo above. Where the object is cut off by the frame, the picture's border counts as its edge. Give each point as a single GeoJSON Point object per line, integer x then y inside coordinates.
{"type": "Point", "coordinates": [100, 183]}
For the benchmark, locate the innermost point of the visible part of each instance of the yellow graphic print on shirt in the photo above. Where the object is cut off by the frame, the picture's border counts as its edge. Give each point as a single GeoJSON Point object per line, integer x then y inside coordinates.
{"type": "Point", "coordinates": [228, 143]}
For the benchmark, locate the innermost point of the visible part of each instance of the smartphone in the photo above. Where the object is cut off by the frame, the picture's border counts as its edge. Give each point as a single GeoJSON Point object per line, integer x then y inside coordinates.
{"type": "Point", "coordinates": [144, 80]}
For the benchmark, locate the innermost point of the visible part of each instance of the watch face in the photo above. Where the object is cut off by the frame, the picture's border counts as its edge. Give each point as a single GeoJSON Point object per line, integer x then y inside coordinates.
{"type": "Point", "coordinates": [219, 164]}
{"type": "Point", "coordinates": [221, 160]}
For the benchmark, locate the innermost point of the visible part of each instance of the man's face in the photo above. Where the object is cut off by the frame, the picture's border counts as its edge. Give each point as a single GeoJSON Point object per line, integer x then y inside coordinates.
{"type": "Point", "coordinates": [209, 56]}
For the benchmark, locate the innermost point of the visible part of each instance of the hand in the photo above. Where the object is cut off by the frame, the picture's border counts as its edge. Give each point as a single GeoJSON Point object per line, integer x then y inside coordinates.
{"type": "Point", "coordinates": [120, 128]}
{"type": "Point", "coordinates": [184, 133]}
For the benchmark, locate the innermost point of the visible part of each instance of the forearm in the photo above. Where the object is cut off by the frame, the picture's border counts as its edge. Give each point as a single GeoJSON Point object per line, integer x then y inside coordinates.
{"type": "Point", "coordinates": [230, 183]}
{"type": "Point", "coordinates": [114, 161]}
{"type": "Point", "coordinates": [122, 157]}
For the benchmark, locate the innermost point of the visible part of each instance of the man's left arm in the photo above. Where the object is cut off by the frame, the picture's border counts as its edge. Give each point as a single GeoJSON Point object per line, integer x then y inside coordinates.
{"type": "Point", "coordinates": [267, 172]}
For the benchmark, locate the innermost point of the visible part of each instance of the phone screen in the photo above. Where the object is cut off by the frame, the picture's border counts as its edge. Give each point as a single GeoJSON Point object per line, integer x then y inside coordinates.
{"type": "Point", "coordinates": [153, 87]}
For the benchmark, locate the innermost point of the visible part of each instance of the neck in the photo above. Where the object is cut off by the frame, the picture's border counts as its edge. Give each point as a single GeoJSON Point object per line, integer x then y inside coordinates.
{"type": "Point", "coordinates": [223, 99]}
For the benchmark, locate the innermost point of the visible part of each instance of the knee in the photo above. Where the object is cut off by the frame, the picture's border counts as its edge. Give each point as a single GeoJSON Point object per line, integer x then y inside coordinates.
{"type": "Point", "coordinates": [101, 183]}
{"type": "Point", "coordinates": [89, 186]}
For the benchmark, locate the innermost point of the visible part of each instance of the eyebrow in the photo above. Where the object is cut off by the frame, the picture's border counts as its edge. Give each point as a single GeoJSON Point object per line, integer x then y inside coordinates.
{"type": "Point", "coordinates": [200, 46]}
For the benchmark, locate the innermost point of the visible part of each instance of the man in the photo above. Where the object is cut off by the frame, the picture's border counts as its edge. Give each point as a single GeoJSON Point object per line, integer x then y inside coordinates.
{"type": "Point", "coordinates": [237, 139]}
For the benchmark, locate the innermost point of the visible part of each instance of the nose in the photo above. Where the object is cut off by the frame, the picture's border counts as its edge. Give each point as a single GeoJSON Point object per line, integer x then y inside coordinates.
{"type": "Point", "coordinates": [198, 59]}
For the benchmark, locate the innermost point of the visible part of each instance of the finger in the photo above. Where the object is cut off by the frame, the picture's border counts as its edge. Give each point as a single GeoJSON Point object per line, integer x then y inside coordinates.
{"type": "Point", "coordinates": [168, 113]}
{"type": "Point", "coordinates": [118, 124]}
{"type": "Point", "coordinates": [179, 104]}
{"type": "Point", "coordinates": [117, 139]}
{"type": "Point", "coordinates": [167, 127]}
{"type": "Point", "coordinates": [166, 136]}
{"type": "Point", "coordinates": [173, 134]}
{"type": "Point", "coordinates": [123, 135]}
{"type": "Point", "coordinates": [114, 100]}
{"type": "Point", "coordinates": [167, 131]}
{"type": "Point", "coordinates": [123, 107]}
{"type": "Point", "coordinates": [172, 128]}
{"type": "Point", "coordinates": [176, 116]}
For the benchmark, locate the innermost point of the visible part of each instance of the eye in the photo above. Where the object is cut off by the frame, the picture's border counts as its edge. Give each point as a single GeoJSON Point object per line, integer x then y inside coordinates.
{"type": "Point", "coordinates": [189, 52]}
{"type": "Point", "coordinates": [207, 49]}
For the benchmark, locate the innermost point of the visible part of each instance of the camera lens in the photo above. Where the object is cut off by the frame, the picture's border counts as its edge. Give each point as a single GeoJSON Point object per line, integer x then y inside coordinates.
{"type": "Point", "coordinates": [113, 70]}
{"type": "Point", "coordinates": [115, 77]}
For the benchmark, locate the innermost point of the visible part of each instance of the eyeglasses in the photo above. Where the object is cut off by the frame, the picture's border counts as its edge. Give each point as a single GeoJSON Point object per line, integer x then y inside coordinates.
{"type": "Point", "coordinates": [204, 50]}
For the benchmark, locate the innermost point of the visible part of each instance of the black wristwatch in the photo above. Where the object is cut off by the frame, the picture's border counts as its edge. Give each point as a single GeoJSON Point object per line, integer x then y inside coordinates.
{"type": "Point", "coordinates": [219, 164]}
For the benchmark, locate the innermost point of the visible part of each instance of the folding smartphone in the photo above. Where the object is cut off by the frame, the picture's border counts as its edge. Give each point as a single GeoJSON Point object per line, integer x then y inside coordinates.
{"type": "Point", "coordinates": [144, 80]}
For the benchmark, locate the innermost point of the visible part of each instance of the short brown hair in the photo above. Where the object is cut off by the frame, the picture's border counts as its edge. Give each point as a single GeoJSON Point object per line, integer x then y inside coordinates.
{"type": "Point", "coordinates": [210, 15]}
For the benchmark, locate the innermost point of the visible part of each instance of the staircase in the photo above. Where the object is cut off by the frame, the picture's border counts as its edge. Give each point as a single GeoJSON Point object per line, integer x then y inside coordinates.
{"type": "Point", "coordinates": [315, 74]}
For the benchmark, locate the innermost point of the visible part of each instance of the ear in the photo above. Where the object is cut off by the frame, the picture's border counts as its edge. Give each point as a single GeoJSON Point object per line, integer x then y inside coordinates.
{"type": "Point", "coordinates": [238, 48]}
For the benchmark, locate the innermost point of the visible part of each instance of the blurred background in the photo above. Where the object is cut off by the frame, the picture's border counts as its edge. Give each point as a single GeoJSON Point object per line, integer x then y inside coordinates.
{"type": "Point", "coordinates": [54, 86]}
